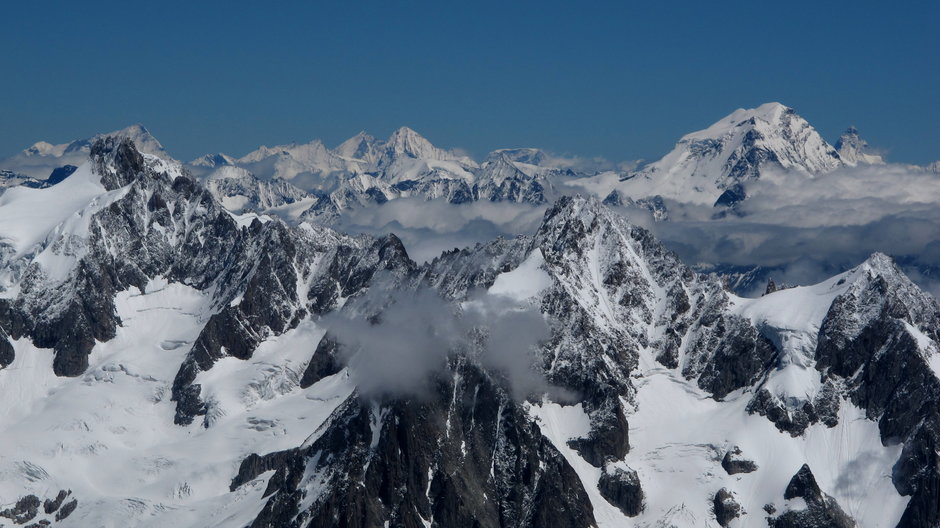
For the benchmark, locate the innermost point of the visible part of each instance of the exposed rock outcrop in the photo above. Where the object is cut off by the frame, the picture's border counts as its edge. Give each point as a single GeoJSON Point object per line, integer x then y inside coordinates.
{"type": "Point", "coordinates": [621, 487]}
{"type": "Point", "coordinates": [725, 507]}
{"type": "Point", "coordinates": [817, 510]}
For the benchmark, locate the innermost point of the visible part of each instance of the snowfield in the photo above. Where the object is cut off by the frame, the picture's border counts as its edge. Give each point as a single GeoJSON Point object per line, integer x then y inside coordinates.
{"type": "Point", "coordinates": [28, 215]}
{"type": "Point", "coordinates": [109, 435]}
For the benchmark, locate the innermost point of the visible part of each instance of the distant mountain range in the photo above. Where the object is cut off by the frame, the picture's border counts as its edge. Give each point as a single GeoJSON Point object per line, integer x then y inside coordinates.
{"type": "Point", "coordinates": [311, 181]}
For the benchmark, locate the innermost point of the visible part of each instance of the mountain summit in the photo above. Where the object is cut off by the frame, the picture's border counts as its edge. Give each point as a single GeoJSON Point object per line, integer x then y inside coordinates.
{"type": "Point", "coordinates": [722, 158]}
{"type": "Point", "coordinates": [407, 142]}
{"type": "Point", "coordinates": [853, 150]}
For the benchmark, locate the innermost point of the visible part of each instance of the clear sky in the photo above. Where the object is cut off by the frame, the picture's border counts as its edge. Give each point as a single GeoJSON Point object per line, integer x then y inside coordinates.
{"type": "Point", "coordinates": [622, 80]}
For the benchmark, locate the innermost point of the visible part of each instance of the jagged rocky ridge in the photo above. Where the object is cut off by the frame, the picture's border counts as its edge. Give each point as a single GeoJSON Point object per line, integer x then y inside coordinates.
{"type": "Point", "coordinates": [627, 321]}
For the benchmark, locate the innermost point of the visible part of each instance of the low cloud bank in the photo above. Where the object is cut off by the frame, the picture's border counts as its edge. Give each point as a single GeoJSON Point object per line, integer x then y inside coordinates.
{"type": "Point", "coordinates": [812, 228]}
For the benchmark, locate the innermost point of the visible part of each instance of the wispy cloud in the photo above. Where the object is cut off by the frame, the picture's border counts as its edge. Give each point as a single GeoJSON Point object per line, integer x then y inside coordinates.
{"type": "Point", "coordinates": [395, 342]}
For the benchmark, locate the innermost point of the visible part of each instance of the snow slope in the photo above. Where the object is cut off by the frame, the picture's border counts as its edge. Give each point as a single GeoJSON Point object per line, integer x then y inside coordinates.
{"type": "Point", "coordinates": [791, 318]}
{"type": "Point", "coordinates": [28, 215]}
{"type": "Point", "coordinates": [679, 436]}
{"type": "Point", "coordinates": [109, 434]}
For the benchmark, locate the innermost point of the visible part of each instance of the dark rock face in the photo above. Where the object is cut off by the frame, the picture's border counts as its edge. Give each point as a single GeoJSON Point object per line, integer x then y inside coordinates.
{"type": "Point", "coordinates": [789, 420]}
{"type": "Point", "coordinates": [741, 356]}
{"type": "Point", "coordinates": [51, 505]}
{"type": "Point", "coordinates": [803, 484]}
{"type": "Point", "coordinates": [57, 318]}
{"type": "Point", "coordinates": [746, 162]}
{"type": "Point", "coordinates": [609, 439]}
{"type": "Point", "coordinates": [23, 511]}
{"type": "Point", "coordinates": [616, 199]}
{"type": "Point", "coordinates": [821, 509]}
{"type": "Point", "coordinates": [467, 455]}
{"type": "Point", "coordinates": [124, 158]}
{"type": "Point", "coordinates": [794, 419]}
{"type": "Point", "coordinates": [725, 507]}
{"type": "Point", "coordinates": [732, 196]}
{"type": "Point", "coordinates": [254, 465]}
{"type": "Point", "coordinates": [325, 362]}
{"type": "Point", "coordinates": [771, 287]}
{"type": "Point", "coordinates": [60, 174]}
{"type": "Point", "coordinates": [733, 462]}
{"type": "Point", "coordinates": [917, 473]}
{"type": "Point", "coordinates": [7, 354]}
{"type": "Point", "coordinates": [621, 487]}
{"type": "Point", "coordinates": [66, 509]}
{"type": "Point", "coordinates": [27, 508]}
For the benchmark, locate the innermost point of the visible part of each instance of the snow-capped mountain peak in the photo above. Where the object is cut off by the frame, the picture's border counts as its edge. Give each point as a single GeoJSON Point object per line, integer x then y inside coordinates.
{"type": "Point", "coordinates": [43, 148]}
{"type": "Point", "coordinates": [308, 152]}
{"type": "Point", "coordinates": [733, 151]}
{"type": "Point", "coordinates": [853, 150]}
{"type": "Point", "coordinates": [137, 133]}
{"type": "Point", "coordinates": [500, 168]}
{"type": "Point", "coordinates": [529, 156]}
{"type": "Point", "coordinates": [361, 147]}
{"type": "Point", "coordinates": [407, 142]}
{"type": "Point", "coordinates": [771, 113]}
{"type": "Point", "coordinates": [213, 160]}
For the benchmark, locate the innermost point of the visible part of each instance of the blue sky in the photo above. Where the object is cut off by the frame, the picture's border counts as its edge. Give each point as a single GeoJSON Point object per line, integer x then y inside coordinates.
{"type": "Point", "coordinates": [622, 80]}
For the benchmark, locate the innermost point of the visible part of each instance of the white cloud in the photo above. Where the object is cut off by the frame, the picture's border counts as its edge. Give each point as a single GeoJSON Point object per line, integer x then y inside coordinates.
{"type": "Point", "coordinates": [394, 341]}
